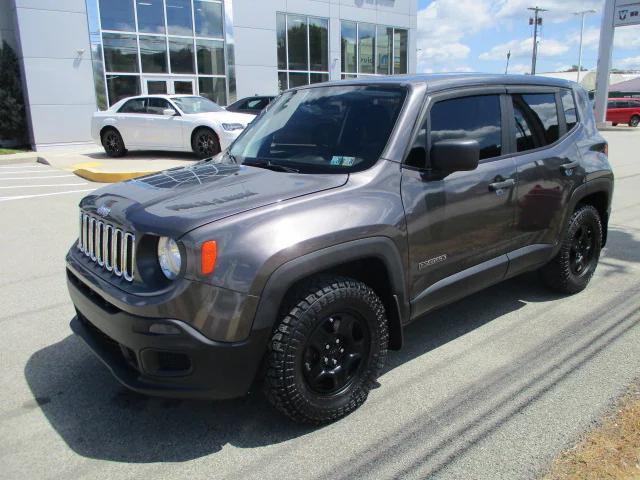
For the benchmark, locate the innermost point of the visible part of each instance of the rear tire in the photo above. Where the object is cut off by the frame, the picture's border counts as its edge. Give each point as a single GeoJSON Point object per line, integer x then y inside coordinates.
{"type": "Point", "coordinates": [327, 351]}
{"type": "Point", "coordinates": [574, 265]}
{"type": "Point", "coordinates": [112, 143]}
{"type": "Point", "coordinates": [614, 124]}
{"type": "Point", "coordinates": [205, 143]}
{"type": "Point", "coordinates": [635, 121]}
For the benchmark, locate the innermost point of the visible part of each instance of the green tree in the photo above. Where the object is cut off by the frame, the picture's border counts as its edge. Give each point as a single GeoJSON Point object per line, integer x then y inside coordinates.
{"type": "Point", "coordinates": [13, 125]}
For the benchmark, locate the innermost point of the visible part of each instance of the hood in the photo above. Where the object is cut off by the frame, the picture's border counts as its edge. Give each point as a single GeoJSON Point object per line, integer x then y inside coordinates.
{"type": "Point", "coordinates": [225, 117]}
{"type": "Point", "coordinates": [176, 201]}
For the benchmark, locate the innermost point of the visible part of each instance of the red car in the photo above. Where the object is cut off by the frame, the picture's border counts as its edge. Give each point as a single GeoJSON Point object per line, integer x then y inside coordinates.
{"type": "Point", "coordinates": [624, 110]}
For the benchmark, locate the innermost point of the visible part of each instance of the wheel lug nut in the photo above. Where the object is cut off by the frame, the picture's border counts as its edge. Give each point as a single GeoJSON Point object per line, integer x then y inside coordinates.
{"type": "Point", "coordinates": [335, 361]}
{"type": "Point", "coordinates": [327, 346]}
{"type": "Point", "coordinates": [337, 340]}
{"type": "Point", "coordinates": [326, 360]}
{"type": "Point", "coordinates": [342, 350]}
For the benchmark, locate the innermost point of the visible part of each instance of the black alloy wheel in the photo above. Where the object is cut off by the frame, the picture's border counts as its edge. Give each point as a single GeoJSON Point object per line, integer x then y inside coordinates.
{"type": "Point", "coordinates": [635, 121]}
{"type": "Point", "coordinates": [112, 143]}
{"type": "Point", "coordinates": [205, 143]}
{"type": "Point", "coordinates": [583, 246]}
{"type": "Point", "coordinates": [335, 353]}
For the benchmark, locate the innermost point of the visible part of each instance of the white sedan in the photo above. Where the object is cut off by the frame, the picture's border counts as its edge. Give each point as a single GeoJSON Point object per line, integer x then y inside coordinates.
{"type": "Point", "coordinates": [167, 122]}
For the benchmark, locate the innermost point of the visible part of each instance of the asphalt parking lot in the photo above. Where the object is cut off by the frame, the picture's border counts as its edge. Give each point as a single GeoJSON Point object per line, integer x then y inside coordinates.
{"type": "Point", "coordinates": [491, 387]}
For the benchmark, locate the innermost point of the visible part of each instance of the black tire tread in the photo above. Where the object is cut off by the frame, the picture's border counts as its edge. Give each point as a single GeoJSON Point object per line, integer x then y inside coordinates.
{"type": "Point", "coordinates": [310, 296]}
{"type": "Point", "coordinates": [123, 152]}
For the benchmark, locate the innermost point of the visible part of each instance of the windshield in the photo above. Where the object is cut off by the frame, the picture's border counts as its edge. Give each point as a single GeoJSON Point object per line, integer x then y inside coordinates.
{"type": "Point", "coordinates": [322, 129]}
{"type": "Point", "coordinates": [196, 105]}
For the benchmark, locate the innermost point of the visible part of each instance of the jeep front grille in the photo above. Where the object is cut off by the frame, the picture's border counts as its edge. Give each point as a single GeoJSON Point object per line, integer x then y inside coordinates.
{"type": "Point", "coordinates": [110, 247]}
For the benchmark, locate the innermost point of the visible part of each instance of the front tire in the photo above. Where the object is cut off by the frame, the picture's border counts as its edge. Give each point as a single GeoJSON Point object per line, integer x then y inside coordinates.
{"type": "Point", "coordinates": [327, 351]}
{"type": "Point", "coordinates": [574, 265]}
{"type": "Point", "coordinates": [112, 143]}
{"type": "Point", "coordinates": [205, 143]}
{"type": "Point", "coordinates": [635, 121]}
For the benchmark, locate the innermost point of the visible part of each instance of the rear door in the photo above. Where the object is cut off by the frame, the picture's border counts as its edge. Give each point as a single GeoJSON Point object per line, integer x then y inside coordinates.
{"type": "Point", "coordinates": [615, 113]}
{"type": "Point", "coordinates": [544, 128]}
{"type": "Point", "coordinates": [467, 218]}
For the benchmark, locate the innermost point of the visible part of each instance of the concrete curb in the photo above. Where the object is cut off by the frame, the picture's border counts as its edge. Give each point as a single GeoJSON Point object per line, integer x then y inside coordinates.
{"type": "Point", "coordinates": [108, 177]}
{"type": "Point", "coordinates": [21, 159]}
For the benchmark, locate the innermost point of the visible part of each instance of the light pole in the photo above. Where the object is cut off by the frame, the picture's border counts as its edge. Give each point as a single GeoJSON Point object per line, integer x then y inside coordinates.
{"type": "Point", "coordinates": [582, 14]}
{"type": "Point", "coordinates": [506, 69]}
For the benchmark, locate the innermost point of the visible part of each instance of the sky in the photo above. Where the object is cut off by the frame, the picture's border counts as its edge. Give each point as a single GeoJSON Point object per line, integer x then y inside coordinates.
{"type": "Point", "coordinates": [475, 35]}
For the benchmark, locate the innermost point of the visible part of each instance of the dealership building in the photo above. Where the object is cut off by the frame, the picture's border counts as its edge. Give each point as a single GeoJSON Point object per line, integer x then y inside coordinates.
{"type": "Point", "coordinates": [77, 56]}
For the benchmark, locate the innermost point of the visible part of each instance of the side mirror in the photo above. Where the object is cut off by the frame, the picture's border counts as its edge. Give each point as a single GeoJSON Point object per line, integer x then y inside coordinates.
{"type": "Point", "coordinates": [448, 156]}
{"type": "Point", "coordinates": [168, 112]}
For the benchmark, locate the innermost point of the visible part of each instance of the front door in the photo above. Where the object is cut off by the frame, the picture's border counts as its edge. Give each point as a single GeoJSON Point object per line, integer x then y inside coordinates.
{"type": "Point", "coordinates": [467, 218]}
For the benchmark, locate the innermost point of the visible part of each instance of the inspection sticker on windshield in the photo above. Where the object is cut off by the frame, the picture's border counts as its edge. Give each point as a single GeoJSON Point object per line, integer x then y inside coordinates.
{"type": "Point", "coordinates": [342, 161]}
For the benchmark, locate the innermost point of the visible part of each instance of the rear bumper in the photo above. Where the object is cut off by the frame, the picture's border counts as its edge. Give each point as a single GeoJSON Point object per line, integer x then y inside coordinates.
{"type": "Point", "coordinates": [180, 364]}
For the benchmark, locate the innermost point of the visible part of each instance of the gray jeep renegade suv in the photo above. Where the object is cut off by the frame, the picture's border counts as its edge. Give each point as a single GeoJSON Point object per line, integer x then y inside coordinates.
{"type": "Point", "coordinates": [345, 211]}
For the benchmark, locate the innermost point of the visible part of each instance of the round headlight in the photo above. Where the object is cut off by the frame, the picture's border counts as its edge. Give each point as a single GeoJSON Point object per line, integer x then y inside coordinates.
{"type": "Point", "coordinates": [169, 257]}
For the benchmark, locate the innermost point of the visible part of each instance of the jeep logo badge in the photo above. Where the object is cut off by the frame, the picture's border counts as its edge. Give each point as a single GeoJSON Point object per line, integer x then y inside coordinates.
{"type": "Point", "coordinates": [103, 211]}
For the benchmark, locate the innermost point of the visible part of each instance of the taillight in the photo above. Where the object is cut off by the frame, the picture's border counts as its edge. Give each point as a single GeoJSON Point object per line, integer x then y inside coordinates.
{"type": "Point", "coordinates": [209, 254]}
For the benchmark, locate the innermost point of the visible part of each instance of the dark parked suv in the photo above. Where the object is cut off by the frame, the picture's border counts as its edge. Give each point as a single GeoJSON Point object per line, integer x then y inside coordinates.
{"type": "Point", "coordinates": [344, 212]}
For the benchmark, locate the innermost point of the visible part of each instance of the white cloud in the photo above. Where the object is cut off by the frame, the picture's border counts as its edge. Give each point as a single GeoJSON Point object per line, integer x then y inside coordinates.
{"type": "Point", "coordinates": [522, 49]}
{"type": "Point", "coordinates": [442, 25]}
{"type": "Point", "coordinates": [558, 10]}
{"type": "Point", "coordinates": [520, 68]}
{"type": "Point", "coordinates": [632, 63]}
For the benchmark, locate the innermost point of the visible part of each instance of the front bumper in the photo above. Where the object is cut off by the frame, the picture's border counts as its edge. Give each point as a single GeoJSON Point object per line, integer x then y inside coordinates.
{"type": "Point", "coordinates": [185, 364]}
{"type": "Point", "coordinates": [227, 138]}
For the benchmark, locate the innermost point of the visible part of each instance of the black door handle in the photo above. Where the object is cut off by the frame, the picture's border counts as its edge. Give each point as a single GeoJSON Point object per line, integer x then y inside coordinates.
{"type": "Point", "coordinates": [502, 185]}
{"type": "Point", "coordinates": [570, 165]}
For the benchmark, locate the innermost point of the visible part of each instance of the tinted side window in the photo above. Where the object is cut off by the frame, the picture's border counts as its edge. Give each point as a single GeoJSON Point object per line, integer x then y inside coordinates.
{"type": "Point", "coordinates": [476, 118]}
{"type": "Point", "coordinates": [137, 105]}
{"type": "Point", "coordinates": [569, 106]}
{"type": "Point", "coordinates": [155, 106]}
{"type": "Point", "coordinates": [536, 120]}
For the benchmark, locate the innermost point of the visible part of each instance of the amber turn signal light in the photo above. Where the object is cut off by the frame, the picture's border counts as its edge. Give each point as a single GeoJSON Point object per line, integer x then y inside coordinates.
{"type": "Point", "coordinates": [208, 257]}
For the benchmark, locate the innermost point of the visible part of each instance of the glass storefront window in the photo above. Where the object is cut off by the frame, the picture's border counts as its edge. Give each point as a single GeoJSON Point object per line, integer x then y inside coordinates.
{"type": "Point", "coordinates": [297, 79]}
{"type": "Point", "coordinates": [214, 89]}
{"type": "Point", "coordinates": [208, 17]}
{"type": "Point", "coordinates": [210, 57]}
{"type": "Point", "coordinates": [150, 16]}
{"type": "Point", "coordinates": [319, 44]}
{"type": "Point", "coordinates": [120, 52]}
{"type": "Point", "coordinates": [118, 16]}
{"type": "Point", "coordinates": [349, 50]}
{"type": "Point", "coordinates": [400, 39]}
{"type": "Point", "coordinates": [179, 17]}
{"type": "Point", "coordinates": [297, 40]}
{"type": "Point", "coordinates": [181, 55]}
{"type": "Point", "coordinates": [283, 84]}
{"type": "Point", "coordinates": [369, 49]}
{"type": "Point", "coordinates": [153, 54]}
{"type": "Point", "coordinates": [366, 47]}
{"type": "Point", "coordinates": [383, 55]}
{"type": "Point", "coordinates": [281, 32]}
{"type": "Point", "coordinates": [319, 77]}
{"type": "Point", "coordinates": [122, 86]}
{"type": "Point", "coordinates": [303, 50]}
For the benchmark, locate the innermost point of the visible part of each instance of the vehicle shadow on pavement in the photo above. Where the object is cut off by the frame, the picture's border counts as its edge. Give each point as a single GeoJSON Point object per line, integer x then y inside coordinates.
{"type": "Point", "coordinates": [100, 419]}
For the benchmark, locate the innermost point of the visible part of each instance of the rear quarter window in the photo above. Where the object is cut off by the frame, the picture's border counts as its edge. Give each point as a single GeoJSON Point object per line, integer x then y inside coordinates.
{"type": "Point", "coordinates": [569, 107]}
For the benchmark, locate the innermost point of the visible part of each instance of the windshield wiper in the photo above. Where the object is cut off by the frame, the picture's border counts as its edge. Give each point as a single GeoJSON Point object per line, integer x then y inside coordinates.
{"type": "Point", "coordinates": [276, 167]}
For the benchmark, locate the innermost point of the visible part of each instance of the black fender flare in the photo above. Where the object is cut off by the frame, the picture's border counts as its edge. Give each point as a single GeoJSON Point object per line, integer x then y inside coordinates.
{"type": "Point", "coordinates": [597, 185]}
{"type": "Point", "coordinates": [287, 274]}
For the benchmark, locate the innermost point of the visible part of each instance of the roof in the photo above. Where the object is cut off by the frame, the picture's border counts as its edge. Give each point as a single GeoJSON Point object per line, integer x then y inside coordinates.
{"type": "Point", "coordinates": [632, 85]}
{"type": "Point", "coordinates": [438, 81]}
